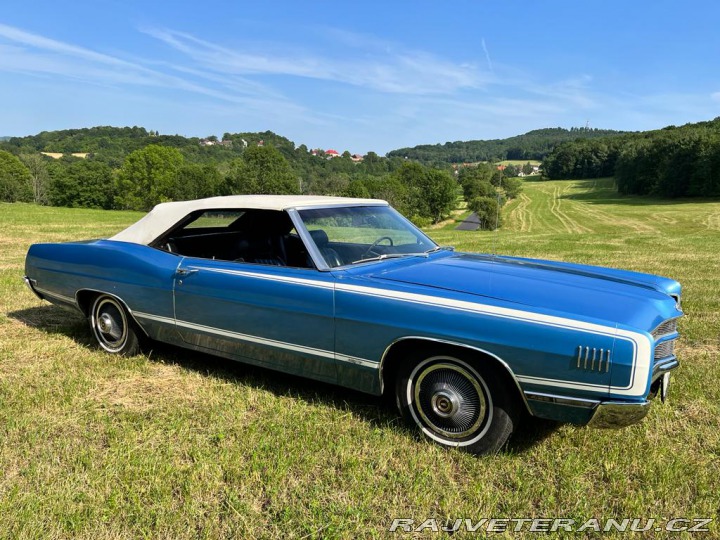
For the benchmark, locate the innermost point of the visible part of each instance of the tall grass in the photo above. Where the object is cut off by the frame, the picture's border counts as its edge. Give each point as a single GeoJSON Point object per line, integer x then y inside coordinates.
{"type": "Point", "coordinates": [175, 444]}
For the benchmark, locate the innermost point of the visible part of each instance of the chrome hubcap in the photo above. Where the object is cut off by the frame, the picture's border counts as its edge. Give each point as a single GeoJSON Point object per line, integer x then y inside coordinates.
{"type": "Point", "coordinates": [445, 403]}
{"type": "Point", "coordinates": [105, 323]}
{"type": "Point", "coordinates": [110, 325]}
{"type": "Point", "coordinates": [450, 400]}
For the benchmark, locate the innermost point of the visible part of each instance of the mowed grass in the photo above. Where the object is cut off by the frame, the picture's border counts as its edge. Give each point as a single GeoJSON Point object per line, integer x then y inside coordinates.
{"type": "Point", "coordinates": [519, 162]}
{"type": "Point", "coordinates": [174, 444]}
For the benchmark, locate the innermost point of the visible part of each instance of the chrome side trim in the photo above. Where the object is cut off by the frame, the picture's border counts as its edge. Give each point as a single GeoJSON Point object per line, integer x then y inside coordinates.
{"type": "Point", "coordinates": [613, 415]}
{"type": "Point", "coordinates": [31, 283]}
{"type": "Point", "coordinates": [156, 318]}
{"type": "Point", "coordinates": [355, 360]}
{"type": "Point", "coordinates": [562, 400]}
{"type": "Point", "coordinates": [62, 297]}
{"type": "Point", "coordinates": [455, 344]}
{"type": "Point", "coordinates": [259, 340]}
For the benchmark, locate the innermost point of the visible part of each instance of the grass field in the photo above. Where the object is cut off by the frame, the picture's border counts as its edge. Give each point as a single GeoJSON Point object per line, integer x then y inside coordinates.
{"type": "Point", "coordinates": [175, 444]}
{"type": "Point", "coordinates": [519, 162]}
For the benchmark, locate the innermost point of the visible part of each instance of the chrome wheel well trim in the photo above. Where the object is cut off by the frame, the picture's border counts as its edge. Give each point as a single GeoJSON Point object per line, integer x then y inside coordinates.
{"type": "Point", "coordinates": [495, 357]}
{"type": "Point", "coordinates": [116, 297]}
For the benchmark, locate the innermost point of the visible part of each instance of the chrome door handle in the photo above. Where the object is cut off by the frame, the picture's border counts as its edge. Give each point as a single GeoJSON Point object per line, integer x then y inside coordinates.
{"type": "Point", "coordinates": [186, 271]}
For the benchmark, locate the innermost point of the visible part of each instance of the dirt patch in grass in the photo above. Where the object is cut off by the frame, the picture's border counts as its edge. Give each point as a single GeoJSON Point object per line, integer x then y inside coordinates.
{"type": "Point", "coordinates": [159, 386]}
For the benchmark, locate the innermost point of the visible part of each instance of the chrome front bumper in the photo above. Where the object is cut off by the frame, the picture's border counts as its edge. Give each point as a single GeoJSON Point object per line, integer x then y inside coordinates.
{"type": "Point", "coordinates": [615, 415]}
{"type": "Point", "coordinates": [598, 413]}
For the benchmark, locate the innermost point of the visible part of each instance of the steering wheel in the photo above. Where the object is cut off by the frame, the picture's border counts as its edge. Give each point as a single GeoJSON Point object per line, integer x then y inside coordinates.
{"type": "Point", "coordinates": [371, 249]}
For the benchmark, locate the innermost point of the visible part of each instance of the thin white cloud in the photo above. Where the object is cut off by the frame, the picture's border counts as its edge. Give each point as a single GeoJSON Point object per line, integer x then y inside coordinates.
{"type": "Point", "coordinates": [406, 72]}
{"type": "Point", "coordinates": [29, 53]}
{"type": "Point", "coordinates": [487, 54]}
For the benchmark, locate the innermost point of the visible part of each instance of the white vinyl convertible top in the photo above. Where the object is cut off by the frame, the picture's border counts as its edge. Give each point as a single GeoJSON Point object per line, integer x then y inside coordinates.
{"type": "Point", "coordinates": [165, 215]}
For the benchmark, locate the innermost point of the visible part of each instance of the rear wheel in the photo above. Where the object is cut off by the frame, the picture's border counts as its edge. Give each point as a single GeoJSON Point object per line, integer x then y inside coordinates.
{"type": "Point", "coordinates": [457, 402]}
{"type": "Point", "coordinates": [112, 327]}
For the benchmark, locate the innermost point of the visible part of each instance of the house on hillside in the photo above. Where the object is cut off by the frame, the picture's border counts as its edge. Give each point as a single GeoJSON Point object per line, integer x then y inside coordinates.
{"type": "Point", "coordinates": [332, 153]}
{"type": "Point", "coordinates": [215, 142]}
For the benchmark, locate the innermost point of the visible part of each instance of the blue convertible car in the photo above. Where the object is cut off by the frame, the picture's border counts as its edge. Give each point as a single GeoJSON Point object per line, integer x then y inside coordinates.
{"type": "Point", "coordinates": [350, 292]}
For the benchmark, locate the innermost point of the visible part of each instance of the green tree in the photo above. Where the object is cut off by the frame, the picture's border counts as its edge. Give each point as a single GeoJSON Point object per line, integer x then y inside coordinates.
{"type": "Point", "coordinates": [432, 193]}
{"type": "Point", "coordinates": [439, 194]}
{"type": "Point", "coordinates": [195, 181]}
{"type": "Point", "coordinates": [512, 187]}
{"type": "Point", "coordinates": [148, 177]}
{"type": "Point", "coordinates": [39, 177]}
{"type": "Point", "coordinates": [357, 189]}
{"type": "Point", "coordinates": [15, 179]}
{"type": "Point", "coordinates": [374, 164]}
{"type": "Point", "coordinates": [487, 210]}
{"type": "Point", "coordinates": [476, 181]}
{"type": "Point", "coordinates": [262, 170]}
{"type": "Point", "coordinates": [82, 184]}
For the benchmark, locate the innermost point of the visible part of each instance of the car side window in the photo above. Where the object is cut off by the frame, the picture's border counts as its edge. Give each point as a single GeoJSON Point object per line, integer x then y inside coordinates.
{"type": "Point", "coordinates": [254, 236]}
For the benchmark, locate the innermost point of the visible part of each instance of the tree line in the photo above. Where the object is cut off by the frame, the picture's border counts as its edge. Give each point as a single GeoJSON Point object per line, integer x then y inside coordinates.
{"type": "Point", "coordinates": [133, 168]}
{"type": "Point", "coordinates": [533, 145]}
{"type": "Point", "coordinates": [671, 162]}
{"type": "Point", "coordinates": [163, 169]}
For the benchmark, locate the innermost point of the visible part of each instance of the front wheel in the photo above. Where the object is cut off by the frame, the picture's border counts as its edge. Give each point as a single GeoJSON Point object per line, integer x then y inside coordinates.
{"type": "Point", "coordinates": [457, 403]}
{"type": "Point", "coordinates": [112, 328]}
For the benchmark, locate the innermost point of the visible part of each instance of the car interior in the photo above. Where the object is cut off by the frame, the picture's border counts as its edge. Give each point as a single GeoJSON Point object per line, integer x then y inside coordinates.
{"type": "Point", "coordinates": [269, 237]}
{"type": "Point", "coordinates": [255, 236]}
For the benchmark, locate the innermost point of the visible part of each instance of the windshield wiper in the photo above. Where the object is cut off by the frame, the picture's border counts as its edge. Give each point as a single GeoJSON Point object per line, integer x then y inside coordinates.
{"type": "Point", "coordinates": [388, 256]}
{"type": "Point", "coordinates": [440, 248]}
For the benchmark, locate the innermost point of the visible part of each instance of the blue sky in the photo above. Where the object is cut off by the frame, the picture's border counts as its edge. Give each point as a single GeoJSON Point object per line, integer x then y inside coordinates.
{"type": "Point", "coordinates": [358, 76]}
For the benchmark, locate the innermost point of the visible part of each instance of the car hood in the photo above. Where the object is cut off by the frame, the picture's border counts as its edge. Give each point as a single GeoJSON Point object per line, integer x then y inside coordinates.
{"type": "Point", "coordinates": [604, 295]}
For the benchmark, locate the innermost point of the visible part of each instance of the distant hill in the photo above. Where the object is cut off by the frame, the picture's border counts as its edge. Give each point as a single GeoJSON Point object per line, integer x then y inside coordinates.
{"type": "Point", "coordinates": [533, 145]}
{"type": "Point", "coordinates": [112, 144]}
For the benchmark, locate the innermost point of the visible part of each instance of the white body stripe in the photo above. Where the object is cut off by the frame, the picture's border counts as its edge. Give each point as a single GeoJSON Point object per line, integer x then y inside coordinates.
{"type": "Point", "coordinates": [283, 279]}
{"type": "Point", "coordinates": [642, 344]}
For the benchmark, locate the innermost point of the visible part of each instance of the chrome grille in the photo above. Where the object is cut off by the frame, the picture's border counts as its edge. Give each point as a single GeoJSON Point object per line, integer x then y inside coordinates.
{"type": "Point", "coordinates": [664, 349]}
{"type": "Point", "coordinates": [666, 327]}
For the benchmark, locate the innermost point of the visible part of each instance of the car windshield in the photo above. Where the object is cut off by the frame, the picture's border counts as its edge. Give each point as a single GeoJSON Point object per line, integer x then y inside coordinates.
{"type": "Point", "coordinates": [362, 234]}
